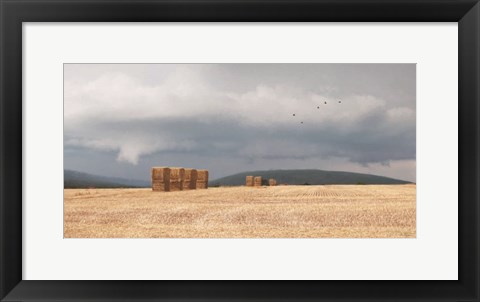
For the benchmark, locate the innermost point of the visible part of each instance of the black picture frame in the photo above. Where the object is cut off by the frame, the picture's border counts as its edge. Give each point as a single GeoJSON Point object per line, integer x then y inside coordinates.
{"type": "Point", "coordinates": [14, 12]}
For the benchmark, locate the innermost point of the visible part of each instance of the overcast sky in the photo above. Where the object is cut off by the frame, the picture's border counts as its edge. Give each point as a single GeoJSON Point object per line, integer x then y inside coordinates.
{"type": "Point", "coordinates": [122, 119]}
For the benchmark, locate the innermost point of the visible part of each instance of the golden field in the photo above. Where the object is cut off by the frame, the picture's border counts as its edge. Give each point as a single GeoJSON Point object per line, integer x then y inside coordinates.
{"type": "Point", "coordinates": [334, 211]}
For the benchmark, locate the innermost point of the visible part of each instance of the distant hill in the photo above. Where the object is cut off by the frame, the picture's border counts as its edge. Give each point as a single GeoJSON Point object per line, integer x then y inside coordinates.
{"type": "Point", "coordinates": [311, 177]}
{"type": "Point", "coordinates": [75, 179]}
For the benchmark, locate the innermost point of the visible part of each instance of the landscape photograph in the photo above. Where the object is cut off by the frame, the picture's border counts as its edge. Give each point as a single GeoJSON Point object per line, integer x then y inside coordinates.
{"type": "Point", "coordinates": [278, 150]}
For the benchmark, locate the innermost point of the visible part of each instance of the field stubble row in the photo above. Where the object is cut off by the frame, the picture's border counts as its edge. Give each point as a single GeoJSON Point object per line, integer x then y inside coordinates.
{"type": "Point", "coordinates": [337, 211]}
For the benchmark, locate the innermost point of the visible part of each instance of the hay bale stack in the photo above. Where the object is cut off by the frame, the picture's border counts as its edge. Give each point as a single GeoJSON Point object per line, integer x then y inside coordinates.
{"type": "Point", "coordinates": [257, 181]}
{"type": "Point", "coordinates": [160, 179]}
{"type": "Point", "coordinates": [190, 182]}
{"type": "Point", "coordinates": [177, 177]}
{"type": "Point", "coordinates": [202, 179]}
{"type": "Point", "coordinates": [249, 181]}
{"type": "Point", "coordinates": [272, 182]}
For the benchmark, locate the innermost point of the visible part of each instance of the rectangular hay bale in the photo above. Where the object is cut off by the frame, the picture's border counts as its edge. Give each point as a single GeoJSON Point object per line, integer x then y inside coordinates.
{"type": "Point", "coordinates": [257, 181]}
{"type": "Point", "coordinates": [177, 177]}
{"type": "Point", "coordinates": [272, 182]}
{"type": "Point", "coordinates": [202, 179]}
{"type": "Point", "coordinates": [190, 181]}
{"type": "Point", "coordinates": [160, 179]}
{"type": "Point", "coordinates": [161, 173]}
{"type": "Point", "coordinates": [249, 181]}
{"type": "Point", "coordinates": [161, 186]}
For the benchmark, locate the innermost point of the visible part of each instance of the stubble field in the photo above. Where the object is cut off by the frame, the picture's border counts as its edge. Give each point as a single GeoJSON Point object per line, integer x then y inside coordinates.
{"type": "Point", "coordinates": [337, 211]}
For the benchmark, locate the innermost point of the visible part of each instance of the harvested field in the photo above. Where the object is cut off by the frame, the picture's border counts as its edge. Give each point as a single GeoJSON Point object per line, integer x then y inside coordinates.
{"type": "Point", "coordinates": [337, 211]}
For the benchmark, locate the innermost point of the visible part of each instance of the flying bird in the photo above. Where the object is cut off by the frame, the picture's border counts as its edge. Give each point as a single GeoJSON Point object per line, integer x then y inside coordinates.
{"type": "Point", "coordinates": [318, 107]}
{"type": "Point", "coordinates": [301, 122]}
{"type": "Point", "coordinates": [339, 102]}
{"type": "Point", "coordinates": [325, 103]}
{"type": "Point", "coordinates": [294, 114]}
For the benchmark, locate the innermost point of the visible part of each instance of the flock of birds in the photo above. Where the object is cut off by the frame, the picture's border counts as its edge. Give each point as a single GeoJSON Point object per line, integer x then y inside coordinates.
{"type": "Point", "coordinates": [318, 107]}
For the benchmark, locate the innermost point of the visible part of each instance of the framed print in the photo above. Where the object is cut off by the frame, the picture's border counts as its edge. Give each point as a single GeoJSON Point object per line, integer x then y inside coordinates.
{"type": "Point", "coordinates": [300, 150]}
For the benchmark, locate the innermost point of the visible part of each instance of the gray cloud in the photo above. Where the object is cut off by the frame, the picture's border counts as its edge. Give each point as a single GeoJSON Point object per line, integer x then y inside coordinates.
{"type": "Point", "coordinates": [122, 119]}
